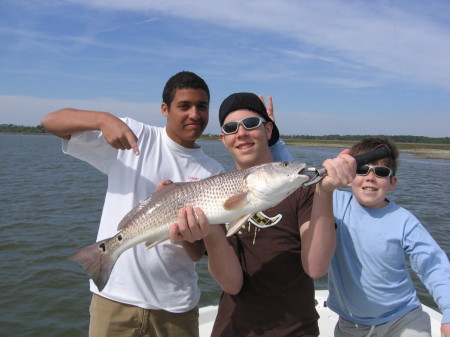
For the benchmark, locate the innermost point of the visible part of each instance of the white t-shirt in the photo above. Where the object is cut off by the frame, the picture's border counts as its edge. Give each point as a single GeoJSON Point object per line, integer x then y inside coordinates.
{"type": "Point", "coordinates": [162, 277]}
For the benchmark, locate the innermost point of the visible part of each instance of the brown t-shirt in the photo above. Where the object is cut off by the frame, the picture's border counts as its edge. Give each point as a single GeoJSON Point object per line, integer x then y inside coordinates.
{"type": "Point", "coordinates": [277, 298]}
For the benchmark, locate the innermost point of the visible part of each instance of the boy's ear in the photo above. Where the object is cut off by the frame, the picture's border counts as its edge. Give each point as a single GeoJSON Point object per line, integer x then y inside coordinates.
{"type": "Point", "coordinates": [268, 128]}
{"type": "Point", "coordinates": [394, 181]}
{"type": "Point", "coordinates": [164, 109]}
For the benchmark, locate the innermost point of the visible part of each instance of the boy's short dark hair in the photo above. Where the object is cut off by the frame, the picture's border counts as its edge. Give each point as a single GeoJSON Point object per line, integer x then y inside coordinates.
{"type": "Point", "coordinates": [183, 80]}
{"type": "Point", "coordinates": [370, 143]}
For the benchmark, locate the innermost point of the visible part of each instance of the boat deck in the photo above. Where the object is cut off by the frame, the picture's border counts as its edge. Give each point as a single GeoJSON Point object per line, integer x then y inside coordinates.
{"type": "Point", "coordinates": [327, 321]}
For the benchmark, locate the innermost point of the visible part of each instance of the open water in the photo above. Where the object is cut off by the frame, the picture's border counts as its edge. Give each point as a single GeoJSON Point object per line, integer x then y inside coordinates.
{"type": "Point", "coordinates": [50, 206]}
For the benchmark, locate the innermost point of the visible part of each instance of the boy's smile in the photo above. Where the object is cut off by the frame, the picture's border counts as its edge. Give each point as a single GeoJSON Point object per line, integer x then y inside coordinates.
{"type": "Point", "coordinates": [245, 146]}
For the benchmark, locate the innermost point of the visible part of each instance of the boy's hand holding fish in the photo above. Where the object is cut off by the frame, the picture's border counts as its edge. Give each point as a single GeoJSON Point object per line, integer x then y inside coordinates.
{"type": "Point", "coordinates": [192, 225]}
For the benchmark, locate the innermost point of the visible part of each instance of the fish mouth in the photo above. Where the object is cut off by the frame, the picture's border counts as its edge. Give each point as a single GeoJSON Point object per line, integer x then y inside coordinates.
{"type": "Point", "coordinates": [306, 171]}
{"type": "Point", "coordinates": [312, 174]}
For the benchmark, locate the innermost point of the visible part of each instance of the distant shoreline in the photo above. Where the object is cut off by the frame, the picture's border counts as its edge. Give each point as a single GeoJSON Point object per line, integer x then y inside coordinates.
{"type": "Point", "coordinates": [421, 150]}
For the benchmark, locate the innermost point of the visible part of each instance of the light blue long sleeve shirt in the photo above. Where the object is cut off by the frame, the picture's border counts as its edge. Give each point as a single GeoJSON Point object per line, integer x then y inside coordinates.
{"type": "Point", "coordinates": [368, 278]}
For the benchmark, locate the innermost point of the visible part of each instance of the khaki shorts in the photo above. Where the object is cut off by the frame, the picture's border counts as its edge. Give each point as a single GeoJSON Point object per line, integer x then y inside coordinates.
{"type": "Point", "coordinates": [111, 319]}
{"type": "Point", "coordinates": [415, 323]}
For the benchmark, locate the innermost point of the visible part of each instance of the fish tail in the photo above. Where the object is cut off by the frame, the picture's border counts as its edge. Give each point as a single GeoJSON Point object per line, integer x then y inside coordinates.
{"type": "Point", "coordinates": [97, 263]}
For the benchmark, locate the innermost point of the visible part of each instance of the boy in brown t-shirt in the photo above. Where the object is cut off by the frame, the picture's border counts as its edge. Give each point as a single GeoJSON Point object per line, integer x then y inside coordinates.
{"type": "Point", "coordinates": [266, 269]}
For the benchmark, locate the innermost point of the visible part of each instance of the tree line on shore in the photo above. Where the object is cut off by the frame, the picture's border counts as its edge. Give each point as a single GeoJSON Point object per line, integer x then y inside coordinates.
{"type": "Point", "coordinates": [11, 128]}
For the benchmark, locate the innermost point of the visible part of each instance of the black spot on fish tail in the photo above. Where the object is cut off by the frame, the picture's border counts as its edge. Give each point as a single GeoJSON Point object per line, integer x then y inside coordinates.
{"type": "Point", "coordinates": [97, 263]}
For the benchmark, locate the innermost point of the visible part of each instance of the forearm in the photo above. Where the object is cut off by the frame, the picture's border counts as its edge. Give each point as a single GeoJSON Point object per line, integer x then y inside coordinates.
{"type": "Point", "coordinates": [195, 250]}
{"type": "Point", "coordinates": [223, 263]}
{"type": "Point", "coordinates": [65, 122]}
{"type": "Point", "coordinates": [319, 235]}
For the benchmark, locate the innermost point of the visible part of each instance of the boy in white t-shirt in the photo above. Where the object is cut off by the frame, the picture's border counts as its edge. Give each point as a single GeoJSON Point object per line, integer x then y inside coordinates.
{"type": "Point", "coordinates": [149, 289]}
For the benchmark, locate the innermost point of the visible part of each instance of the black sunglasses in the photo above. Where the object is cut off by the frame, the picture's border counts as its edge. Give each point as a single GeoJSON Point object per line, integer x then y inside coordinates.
{"type": "Point", "coordinates": [248, 123]}
{"type": "Point", "coordinates": [380, 171]}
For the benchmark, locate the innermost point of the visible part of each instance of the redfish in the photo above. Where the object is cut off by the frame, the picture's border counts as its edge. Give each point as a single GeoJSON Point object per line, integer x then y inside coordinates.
{"type": "Point", "coordinates": [225, 198]}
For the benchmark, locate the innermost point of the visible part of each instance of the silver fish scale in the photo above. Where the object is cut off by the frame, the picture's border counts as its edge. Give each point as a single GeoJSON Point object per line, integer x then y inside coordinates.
{"type": "Point", "coordinates": [154, 215]}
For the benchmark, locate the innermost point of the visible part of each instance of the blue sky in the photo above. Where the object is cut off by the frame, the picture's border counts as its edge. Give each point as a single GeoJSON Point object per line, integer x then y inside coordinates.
{"type": "Point", "coordinates": [332, 67]}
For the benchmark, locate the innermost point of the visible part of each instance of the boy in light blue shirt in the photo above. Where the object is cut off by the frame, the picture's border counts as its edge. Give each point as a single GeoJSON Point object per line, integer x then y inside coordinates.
{"type": "Point", "coordinates": [369, 284]}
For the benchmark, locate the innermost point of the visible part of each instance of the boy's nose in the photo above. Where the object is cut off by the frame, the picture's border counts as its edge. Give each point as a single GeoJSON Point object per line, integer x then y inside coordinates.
{"type": "Point", "coordinates": [241, 129]}
{"type": "Point", "coordinates": [194, 112]}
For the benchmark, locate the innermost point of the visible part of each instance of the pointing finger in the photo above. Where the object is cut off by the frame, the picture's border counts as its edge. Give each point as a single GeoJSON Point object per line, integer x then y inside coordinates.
{"type": "Point", "coordinates": [132, 140]}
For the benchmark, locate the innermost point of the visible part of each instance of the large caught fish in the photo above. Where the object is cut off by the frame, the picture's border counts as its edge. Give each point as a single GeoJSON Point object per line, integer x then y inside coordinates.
{"type": "Point", "coordinates": [225, 198]}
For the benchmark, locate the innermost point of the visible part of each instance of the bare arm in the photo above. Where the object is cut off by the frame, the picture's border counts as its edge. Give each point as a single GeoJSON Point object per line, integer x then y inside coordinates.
{"type": "Point", "coordinates": [65, 122]}
{"type": "Point", "coordinates": [192, 226]}
{"type": "Point", "coordinates": [223, 264]}
{"type": "Point", "coordinates": [445, 330]}
{"type": "Point", "coordinates": [319, 235]}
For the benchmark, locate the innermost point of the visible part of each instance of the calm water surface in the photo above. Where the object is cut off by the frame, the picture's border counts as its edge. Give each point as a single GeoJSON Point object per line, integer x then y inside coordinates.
{"type": "Point", "coordinates": [51, 205]}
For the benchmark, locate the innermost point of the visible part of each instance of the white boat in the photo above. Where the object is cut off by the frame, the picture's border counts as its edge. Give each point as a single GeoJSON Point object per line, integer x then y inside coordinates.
{"type": "Point", "coordinates": [327, 321]}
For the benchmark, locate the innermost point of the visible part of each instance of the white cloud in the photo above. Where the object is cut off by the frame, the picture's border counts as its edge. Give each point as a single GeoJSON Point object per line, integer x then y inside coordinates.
{"type": "Point", "coordinates": [329, 56]}
{"type": "Point", "coordinates": [381, 36]}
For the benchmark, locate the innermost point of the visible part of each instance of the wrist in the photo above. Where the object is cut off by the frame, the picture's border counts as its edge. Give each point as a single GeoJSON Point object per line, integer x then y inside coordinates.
{"type": "Point", "coordinates": [324, 189]}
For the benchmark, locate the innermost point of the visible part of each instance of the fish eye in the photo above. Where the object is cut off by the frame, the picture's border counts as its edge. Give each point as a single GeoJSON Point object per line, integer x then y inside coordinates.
{"type": "Point", "coordinates": [284, 163]}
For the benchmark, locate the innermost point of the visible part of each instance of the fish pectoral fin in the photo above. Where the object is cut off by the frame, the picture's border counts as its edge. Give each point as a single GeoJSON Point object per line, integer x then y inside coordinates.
{"type": "Point", "coordinates": [237, 201]}
{"type": "Point", "coordinates": [150, 243]}
{"type": "Point", "coordinates": [235, 225]}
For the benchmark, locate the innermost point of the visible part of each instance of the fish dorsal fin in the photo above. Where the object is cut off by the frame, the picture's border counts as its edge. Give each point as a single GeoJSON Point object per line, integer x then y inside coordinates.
{"type": "Point", "coordinates": [158, 194]}
{"type": "Point", "coordinates": [235, 225]}
{"type": "Point", "coordinates": [150, 244]}
{"type": "Point", "coordinates": [236, 201]}
{"type": "Point", "coordinates": [166, 189]}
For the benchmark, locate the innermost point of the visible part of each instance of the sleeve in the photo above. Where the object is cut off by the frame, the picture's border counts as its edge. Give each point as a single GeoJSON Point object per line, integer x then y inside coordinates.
{"type": "Point", "coordinates": [91, 147]}
{"type": "Point", "coordinates": [431, 265]}
{"type": "Point", "coordinates": [280, 152]}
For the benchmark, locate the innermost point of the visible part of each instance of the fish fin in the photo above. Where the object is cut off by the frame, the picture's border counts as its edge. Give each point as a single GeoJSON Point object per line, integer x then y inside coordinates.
{"type": "Point", "coordinates": [237, 201]}
{"type": "Point", "coordinates": [237, 224]}
{"type": "Point", "coordinates": [150, 244]}
{"type": "Point", "coordinates": [166, 188]}
{"type": "Point", "coordinates": [125, 221]}
{"type": "Point", "coordinates": [96, 262]}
